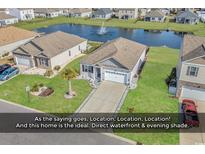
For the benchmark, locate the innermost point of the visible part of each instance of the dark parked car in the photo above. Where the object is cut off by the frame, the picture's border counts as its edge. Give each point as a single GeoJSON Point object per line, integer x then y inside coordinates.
{"type": "Point", "coordinates": [4, 67]}
{"type": "Point", "coordinates": [190, 113]}
{"type": "Point", "coordinates": [8, 73]}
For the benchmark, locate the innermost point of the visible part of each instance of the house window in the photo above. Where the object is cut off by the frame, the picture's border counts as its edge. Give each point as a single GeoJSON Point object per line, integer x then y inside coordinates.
{"type": "Point", "coordinates": [85, 68]}
{"type": "Point", "coordinates": [43, 62]}
{"type": "Point", "coordinates": [192, 71]}
{"type": "Point", "coordinates": [90, 69]}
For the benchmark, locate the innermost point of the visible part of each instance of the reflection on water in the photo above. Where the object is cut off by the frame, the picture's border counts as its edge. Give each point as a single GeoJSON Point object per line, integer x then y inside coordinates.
{"type": "Point", "coordinates": [148, 37]}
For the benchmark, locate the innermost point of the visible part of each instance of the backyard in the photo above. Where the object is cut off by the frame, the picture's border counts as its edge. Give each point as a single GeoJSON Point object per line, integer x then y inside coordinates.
{"type": "Point", "coordinates": [198, 29]}
{"type": "Point", "coordinates": [151, 94]}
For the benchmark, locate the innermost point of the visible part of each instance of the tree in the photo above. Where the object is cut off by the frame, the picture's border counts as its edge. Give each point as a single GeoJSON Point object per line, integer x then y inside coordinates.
{"type": "Point", "coordinates": [69, 74]}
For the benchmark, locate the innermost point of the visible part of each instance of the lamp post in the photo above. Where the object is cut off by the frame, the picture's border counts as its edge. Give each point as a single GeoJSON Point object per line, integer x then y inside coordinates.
{"type": "Point", "coordinates": [28, 92]}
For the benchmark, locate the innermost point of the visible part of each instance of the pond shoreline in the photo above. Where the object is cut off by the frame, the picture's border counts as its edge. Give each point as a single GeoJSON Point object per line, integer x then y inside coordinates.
{"type": "Point", "coordinates": [198, 29]}
{"type": "Point", "coordinates": [147, 37]}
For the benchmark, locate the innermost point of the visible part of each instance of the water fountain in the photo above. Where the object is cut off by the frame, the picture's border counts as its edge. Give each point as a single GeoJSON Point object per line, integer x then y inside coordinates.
{"type": "Point", "coordinates": [102, 30]}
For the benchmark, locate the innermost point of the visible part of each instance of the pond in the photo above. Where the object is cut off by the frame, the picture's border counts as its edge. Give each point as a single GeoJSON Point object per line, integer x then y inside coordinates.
{"type": "Point", "coordinates": [151, 38]}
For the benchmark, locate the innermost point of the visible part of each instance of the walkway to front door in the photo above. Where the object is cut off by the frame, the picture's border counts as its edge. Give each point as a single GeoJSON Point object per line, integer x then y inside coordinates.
{"type": "Point", "coordinates": [105, 99]}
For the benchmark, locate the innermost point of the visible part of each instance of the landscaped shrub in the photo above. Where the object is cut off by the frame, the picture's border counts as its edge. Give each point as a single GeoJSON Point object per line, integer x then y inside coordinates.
{"type": "Point", "coordinates": [5, 54]}
{"type": "Point", "coordinates": [47, 92]}
{"type": "Point", "coordinates": [35, 88]}
{"type": "Point", "coordinates": [48, 73]}
{"type": "Point", "coordinates": [172, 76]}
{"type": "Point", "coordinates": [40, 84]}
{"type": "Point", "coordinates": [57, 68]}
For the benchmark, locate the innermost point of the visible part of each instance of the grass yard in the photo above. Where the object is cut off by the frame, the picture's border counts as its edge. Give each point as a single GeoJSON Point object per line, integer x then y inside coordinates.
{"type": "Point", "coordinates": [14, 90]}
{"type": "Point", "coordinates": [151, 95]}
{"type": "Point", "coordinates": [198, 29]}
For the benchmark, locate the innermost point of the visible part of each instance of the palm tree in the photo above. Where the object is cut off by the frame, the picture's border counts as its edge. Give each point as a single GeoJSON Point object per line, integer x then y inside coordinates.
{"type": "Point", "coordinates": [69, 74]}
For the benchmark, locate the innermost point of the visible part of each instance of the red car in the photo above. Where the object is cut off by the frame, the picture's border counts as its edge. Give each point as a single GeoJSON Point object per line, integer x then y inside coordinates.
{"type": "Point", "coordinates": [190, 113]}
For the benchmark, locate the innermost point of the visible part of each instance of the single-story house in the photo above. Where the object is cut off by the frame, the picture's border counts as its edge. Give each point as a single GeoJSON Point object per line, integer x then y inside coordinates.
{"type": "Point", "coordinates": [13, 37]}
{"type": "Point", "coordinates": [118, 60]}
{"type": "Point", "coordinates": [50, 50]}
{"type": "Point", "coordinates": [80, 12]}
{"type": "Point", "coordinates": [128, 13]}
{"type": "Point", "coordinates": [6, 19]}
{"type": "Point", "coordinates": [187, 17]}
{"type": "Point", "coordinates": [155, 15]}
{"type": "Point", "coordinates": [46, 12]}
{"type": "Point", "coordinates": [191, 68]}
{"type": "Point", "coordinates": [103, 13]}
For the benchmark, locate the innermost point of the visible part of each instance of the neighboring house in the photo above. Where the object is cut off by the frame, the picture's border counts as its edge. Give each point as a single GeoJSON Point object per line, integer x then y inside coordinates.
{"type": "Point", "coordinates": [47, 12]}
{"type": "Point", "coordinates": [118, 60]}
{"type": "Point", "coordinates": [128, 13]}
{"type": "Point", "coordinates": [13, 37]}
{"type": "Point", "coordinates": [143, 12]}
{"type": "Point", "coordinates": [187, 17]}
{"type": "Point", "coordinates": [155, 15]}
{"type": "Point", "coordinates": [22, 13]}
{"type": "Point", "coordinates": [165, 11]}
{"type": "Point", "coordinates": [6, 19]}
{"type": "Point", "coordinates": [4, 10]}
{"type": "Point", "coordinates": [50, 50]}
{"type": "Point", "coordinates": [191, 68]}
{"type": "Point", "coordinates": [80, 12]}
{"type": "Point", "coordinates": [103, 13]}
{"type": "Point", "coordinates": [201, 15]}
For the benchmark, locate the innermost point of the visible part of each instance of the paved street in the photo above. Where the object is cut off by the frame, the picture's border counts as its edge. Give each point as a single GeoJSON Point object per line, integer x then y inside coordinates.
{"type": "Point", "coordinates": [105, 99]}
{"type": "Point", "coordinates": [54, 138]}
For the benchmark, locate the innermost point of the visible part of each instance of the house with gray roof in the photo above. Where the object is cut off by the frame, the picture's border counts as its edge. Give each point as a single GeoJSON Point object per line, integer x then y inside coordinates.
{"type": "Point", "coordinates": [47, 12]}
{"type": "Point", "coordinates": [6, 19]}
{"type": "Point", "coordinates": [102, 13]}
{"type": "Point", "coordinates": [187, 17]}
{"type": "Point", "coordinates": [155, 15]}
{"type": "Point", "coordinates": [50, 50]}
{"type": "Point", "coordinates": [191, 68]}
{"type": "Point", "coordinates": [79, 12]}
{"type": "Point", "coordinates": [118, 60]}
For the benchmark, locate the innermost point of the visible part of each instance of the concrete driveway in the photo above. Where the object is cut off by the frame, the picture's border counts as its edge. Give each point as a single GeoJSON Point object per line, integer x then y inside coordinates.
{"type": "Point", "coordinates": [106, 99]}
{"type": "Point", "coordinates": [196, 138]}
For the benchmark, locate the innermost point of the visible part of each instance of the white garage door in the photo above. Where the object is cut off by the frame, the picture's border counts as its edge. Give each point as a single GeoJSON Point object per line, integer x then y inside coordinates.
{"type": "Point", "coordinates": [23, 61]}
{"type": "Point", "coordinates": [194, 93]}
{"type": "Point", "coordinates": [115, 76]}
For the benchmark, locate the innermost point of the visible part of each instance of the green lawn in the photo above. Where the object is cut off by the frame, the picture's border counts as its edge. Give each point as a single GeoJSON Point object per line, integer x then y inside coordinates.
{"type": "Point", "coordinates": [14, 90]}
{"type": "Point", "coordinates": [151, 95]}
{"type": "Point", "coordinates": [198, 29]}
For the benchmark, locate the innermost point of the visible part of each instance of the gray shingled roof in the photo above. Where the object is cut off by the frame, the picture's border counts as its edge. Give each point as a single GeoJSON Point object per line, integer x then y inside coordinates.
{"type": "Point", "coordinates": [45, 10]}
{"type": "Point", "coordinates": [155, 13]}
{"type": "Point", "coordinates": [50, 45]}
{"type": "Point", "coordinates": [122, 50]}
{"type": "Point", "coordinates": [187, 15]}
{"type": "Point", "coordinates": [80, 10]}
{"type": "Point", "coordinates": [5, 16]}
{"type": "Point", "coordinates": [103, 11]}
{"type": "Point", "coordinates": [193, 47]}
